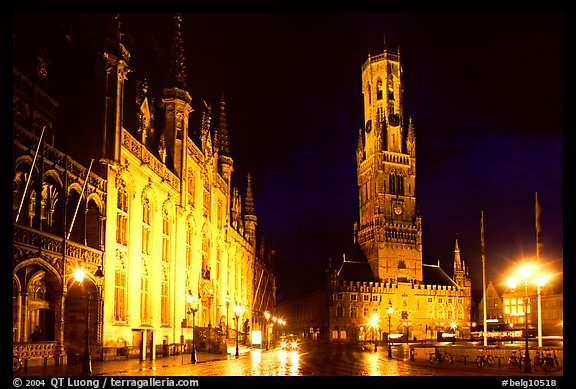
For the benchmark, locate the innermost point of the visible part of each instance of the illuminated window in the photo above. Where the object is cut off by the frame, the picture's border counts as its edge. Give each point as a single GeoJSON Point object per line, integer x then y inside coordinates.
{"type": "Point", "coordinates": [369, 92]}
{"type": "Point", "coordinates": [189, 241]}
{"type": "Point", "coordinates": [122, 215]}
{"type": "Point", "coordinates": [165, 237]}
{"type": "Point", "coordinates": [191, 187]}
{"type": "Point", "coordinates": [164, 303]}
{"type": "Point", "coordinates": [120, 294]}
{"type": "Point", "coordinates": [146, 227]}
{"type": "Point", "coordinates": [145, 296]}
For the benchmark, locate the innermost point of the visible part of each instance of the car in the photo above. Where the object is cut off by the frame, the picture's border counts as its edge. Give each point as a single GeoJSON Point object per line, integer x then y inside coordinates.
{"type": "Point", "coordinates": [290, 342]}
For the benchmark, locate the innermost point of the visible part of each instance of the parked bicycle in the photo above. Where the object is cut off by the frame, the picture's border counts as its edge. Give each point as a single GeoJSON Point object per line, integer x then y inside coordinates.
{"type": "Point", "coordinates": [548, 361]}
{"type": "Point", "coordinates": [485, 359]}
{"type": "Point", "coordinates": [515, 360]}
{"type": "Point", "coordinates": [437, 356]}
{"type": "Point", "coordinates": [16, 363]}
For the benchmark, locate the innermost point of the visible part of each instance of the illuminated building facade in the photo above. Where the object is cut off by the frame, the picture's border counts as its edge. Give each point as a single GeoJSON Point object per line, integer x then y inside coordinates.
{"type": "Point", "coordinates": [387, 270]}
{"type": "Point", "coordinates": [161, 217]}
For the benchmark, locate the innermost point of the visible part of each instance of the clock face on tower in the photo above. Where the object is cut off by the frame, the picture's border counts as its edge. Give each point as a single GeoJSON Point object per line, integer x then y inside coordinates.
{"type": "Point", "coordinates": [398, 209]}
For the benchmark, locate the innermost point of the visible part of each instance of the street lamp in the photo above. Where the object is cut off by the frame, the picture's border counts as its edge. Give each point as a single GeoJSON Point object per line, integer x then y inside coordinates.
{"type": "Point", "coordinates": [274, 320]}
{"type": "Point", "coordinates": [210, 297]}
{"type": "Point", "coordinates": [237, 310]}
{"type": "Point", "coordinates": [374, 325]}
{"type": "Point", "coordinates": [227, 311]}
{"type": "Point", "coordinates": [79, 276]}
{"type": "Point", "coordinates": [524, 271]}
{"type": "Point", "coordinates": [267, 316]}
{"type": "Point", "coordinates": [192, 310]}
{"type": "Point", "coordinates": [390, 311]}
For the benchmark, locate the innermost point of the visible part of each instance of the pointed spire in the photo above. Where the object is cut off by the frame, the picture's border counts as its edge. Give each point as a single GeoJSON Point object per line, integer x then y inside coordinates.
{"type": "Point", "coordinates": [384, 39]}
{"type": "Point", "coordinates": [176, 67]}
{"type": "Point", "coordinates": [223, 139]}
{"type": "Point", "coordinates": [457, 260]}
{"type": "Point", "coordinates": [249, 201]}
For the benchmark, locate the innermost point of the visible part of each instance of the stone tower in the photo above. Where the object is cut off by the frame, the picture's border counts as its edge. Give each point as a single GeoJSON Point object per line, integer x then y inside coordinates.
{"type": "Point", "coordinates": [390, 229]}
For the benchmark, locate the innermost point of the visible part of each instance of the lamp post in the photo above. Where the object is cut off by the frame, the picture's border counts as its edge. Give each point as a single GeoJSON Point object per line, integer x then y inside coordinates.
{"type": "Point", "coordinates": [227, 311]}
{"type": "Point", "coordinates": [267, 316]}
{"type": "Point", "coordinates": [210, 297]}
{"type": "Point", "coordinates": [274, 321]}
{"type": "Point", "coordinates": [374, 325]}
{"type": "Point", "coordinates": [79, 276]}
{"type": "Point", "coordinates": [237, 310]}
{"type": "Point", "coordinates": [390, 311]}
{"type": "Point", "coordinates": [192, 310]}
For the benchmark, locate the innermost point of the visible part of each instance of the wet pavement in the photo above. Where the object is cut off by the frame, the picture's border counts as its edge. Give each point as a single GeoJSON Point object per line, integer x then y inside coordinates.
{"type": "Point", "coordinates": [177, 364]}
{"type": "Point", "coordinates": [127, 365]}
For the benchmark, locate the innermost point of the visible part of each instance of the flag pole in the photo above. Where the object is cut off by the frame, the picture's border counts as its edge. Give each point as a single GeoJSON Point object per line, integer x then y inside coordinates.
{"type": "Point", "coordinates": [80, 199]}
{"type": "Point", "coordinates": [483, 255]}
{"type": "Point", "coordinates": [537, 213]}
{"type": "Point", "coordinates": [30, 175]}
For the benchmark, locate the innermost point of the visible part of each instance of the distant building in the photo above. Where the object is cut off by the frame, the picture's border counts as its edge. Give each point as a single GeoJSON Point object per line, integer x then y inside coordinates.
{"type": "Point", "coordinates": [494, 304]}
{"type": "Point", "coordinates": [551, 305]}
{"type": "Point", "coordinates": [385, 286]}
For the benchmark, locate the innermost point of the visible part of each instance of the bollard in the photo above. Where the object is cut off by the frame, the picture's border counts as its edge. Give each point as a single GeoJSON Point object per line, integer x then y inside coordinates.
{"type": "Point", "coordinates": [412, 354]}
{"type": "Point", "coordinates": [465, 358]}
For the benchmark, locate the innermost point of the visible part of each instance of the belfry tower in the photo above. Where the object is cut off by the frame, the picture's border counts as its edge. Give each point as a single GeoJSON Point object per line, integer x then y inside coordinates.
{"type": "Point", "coordinates": [390, 229]}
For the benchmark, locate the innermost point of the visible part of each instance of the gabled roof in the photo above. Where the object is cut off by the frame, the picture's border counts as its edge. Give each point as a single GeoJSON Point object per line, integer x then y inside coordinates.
{"type": "Point", "coordinates": [434, 275]}
{"type": "Point", "coordinates": [357, 269]}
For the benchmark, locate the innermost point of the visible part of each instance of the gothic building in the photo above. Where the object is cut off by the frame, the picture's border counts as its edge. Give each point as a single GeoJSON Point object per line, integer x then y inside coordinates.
{"type": "Point", "coordinates": [387, 283]}
{"type": "Point", "coordinates": [166, 241]}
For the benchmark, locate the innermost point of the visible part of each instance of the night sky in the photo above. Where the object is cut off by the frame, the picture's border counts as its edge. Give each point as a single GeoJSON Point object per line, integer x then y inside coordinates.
{"type": "Point", "coordinates": [485, 92]}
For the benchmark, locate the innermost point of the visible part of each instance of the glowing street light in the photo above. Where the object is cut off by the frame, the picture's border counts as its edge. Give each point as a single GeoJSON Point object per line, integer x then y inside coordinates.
{"type": "Point", "coordinates": [227, 311]}
{"type": "Point", "coordinates": [374, 325]}
{"type": "Point", "coordinates": [237, 311]}
{"type": "Point", "coordinates": [390, 311]}
{"type": "Point", "coordinates": [192, 310]}
{"type": "Point", "coordinates": [267, 316]}
{"type": "Point", "coordinates": [79, 276]}
{"type": "Point", "coordinates": [524, 273]}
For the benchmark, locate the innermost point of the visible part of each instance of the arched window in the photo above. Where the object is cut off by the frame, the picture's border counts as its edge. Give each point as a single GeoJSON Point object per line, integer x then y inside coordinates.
{"type": "Point", "coordinates": [146, 226]}
{"type": "Point", "coordinates": [189, 243]}
{"type": "Point", "coordinates": [122, 214]}
{"type": "Point", "coordinates": [165, 236]}
{"type": "Point", "coordinates": [145, 295]}
{"type": "Point", "coordinates": [369, 90]}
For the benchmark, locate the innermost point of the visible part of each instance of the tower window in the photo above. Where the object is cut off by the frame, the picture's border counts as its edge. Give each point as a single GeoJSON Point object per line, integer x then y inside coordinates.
{"type": "Point", "coordinates": [379, 90]}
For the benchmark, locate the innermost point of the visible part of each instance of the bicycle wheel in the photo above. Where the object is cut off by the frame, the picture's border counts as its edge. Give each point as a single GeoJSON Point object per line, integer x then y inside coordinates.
{"type": "Point", "coordinates": [511, 362]}
{"type": "Point", "coordinates": [490, 360]}
{"type": "Point", "coordinates": [480, 361]}
{"type": "Point", "coordinates": [16, 364]}
{"type": "Point", "coordinates": [449, 357]}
